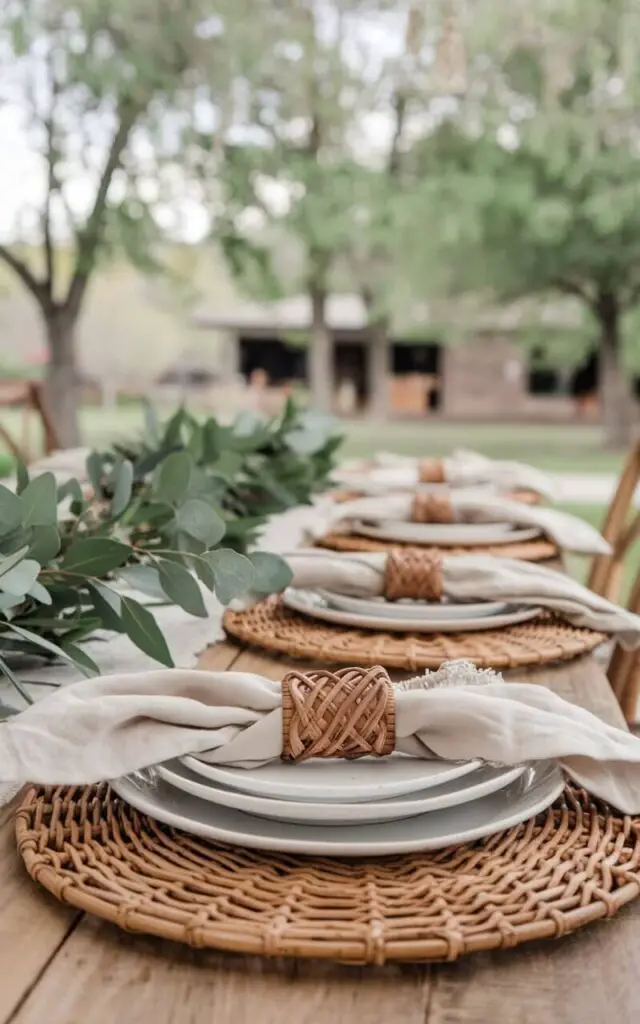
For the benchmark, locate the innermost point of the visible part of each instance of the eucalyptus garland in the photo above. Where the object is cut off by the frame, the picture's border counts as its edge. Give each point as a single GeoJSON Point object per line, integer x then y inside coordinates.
{"type": "Point", "coordinates": [166, 517]}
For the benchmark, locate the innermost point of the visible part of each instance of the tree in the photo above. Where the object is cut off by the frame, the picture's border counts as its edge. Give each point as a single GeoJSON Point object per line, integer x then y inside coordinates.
{"type": "Point", "coordinates": [281, 176]}
{"type": "Point", "coordinates": [104, 88]}
{"type": "Point", "coordinates": [533, 185]}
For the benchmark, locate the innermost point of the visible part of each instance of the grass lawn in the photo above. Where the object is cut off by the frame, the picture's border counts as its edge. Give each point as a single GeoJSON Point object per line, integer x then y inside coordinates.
{"type": "Point", "coordinates": [571, 447]}
{"type": "Point", "coordinates": [574, 448]}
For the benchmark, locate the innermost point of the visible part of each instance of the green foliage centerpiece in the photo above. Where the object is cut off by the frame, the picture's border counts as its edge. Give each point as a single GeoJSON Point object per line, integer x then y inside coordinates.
{"type": "Point", "coordinates": [163, 518]}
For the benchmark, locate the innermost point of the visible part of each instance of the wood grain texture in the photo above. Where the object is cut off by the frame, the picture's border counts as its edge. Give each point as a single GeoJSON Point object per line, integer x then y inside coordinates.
{"type": "Point", "coordinates": [102, 975]}
{"type": "Point", "coordinates": [33, 924]}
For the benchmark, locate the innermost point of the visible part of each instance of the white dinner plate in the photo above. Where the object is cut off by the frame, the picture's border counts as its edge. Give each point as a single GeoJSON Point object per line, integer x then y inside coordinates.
{"type": "Point", "coordinates": [532, 793]}
{"type": "Point", "coordinates": [445, 534]}
{"type": "Point", "coordinates": [471, 787]}
{"type": "Point", "coordinates": [412, 609]}
{"type": "Point", "coordinates": [368, 778]}
{"type": "Point", "coordinates": [310, 602]}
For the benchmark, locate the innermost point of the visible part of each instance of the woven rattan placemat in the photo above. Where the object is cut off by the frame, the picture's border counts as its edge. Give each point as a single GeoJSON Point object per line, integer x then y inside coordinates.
{"type": "Point", "coordinates": [275, 628]}
{"type": "Point", "coordinates": [527, 550]}
{"type": "Point", "coordinates": [556, 872]}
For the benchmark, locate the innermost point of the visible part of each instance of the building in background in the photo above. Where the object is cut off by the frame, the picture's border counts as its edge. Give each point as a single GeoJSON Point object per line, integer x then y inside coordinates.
{"type": "Point", "coordinates": [485, 373]}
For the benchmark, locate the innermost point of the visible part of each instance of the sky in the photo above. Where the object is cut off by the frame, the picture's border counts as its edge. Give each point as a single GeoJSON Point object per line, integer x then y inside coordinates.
{"type": "Point", "coordinates": [370, 41]}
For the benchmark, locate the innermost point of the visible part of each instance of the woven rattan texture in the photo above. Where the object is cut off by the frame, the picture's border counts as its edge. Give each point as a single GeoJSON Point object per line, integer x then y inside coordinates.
{"type": "Point", "coordinates": [431, 471]}
{"type": "Point", "coordinates": [414, 574]}
{"type": "Point", "coordinates": [431, 508]}
{"type": "Point", "coordinates": [528, 550]}
{"type": "Point", "coordinates": [275, 628]}
{"type": "Point", "coordinates": [569, 866]}
{"type": "Point", "coordinates": [349, 713]}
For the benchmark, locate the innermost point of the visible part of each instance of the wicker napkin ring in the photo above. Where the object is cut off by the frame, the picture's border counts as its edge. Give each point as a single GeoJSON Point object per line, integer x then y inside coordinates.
{"type": "Point", "coordinates": [349, 713]}
{"type": "Point", "coordinates": [431, 508]}
{"type": "Point", "coordinates": [431, 471]}
{"type": "Point", "coordinates": [410, 573]}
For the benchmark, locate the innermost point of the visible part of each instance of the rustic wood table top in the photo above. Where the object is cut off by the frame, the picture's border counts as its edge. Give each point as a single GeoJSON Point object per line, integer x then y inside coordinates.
{"type": "Point", "coordinates": [60, 966]}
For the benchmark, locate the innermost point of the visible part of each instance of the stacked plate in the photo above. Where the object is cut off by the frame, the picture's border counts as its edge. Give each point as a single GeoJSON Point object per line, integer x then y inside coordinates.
{"type": "Point", "coordinates": [445, 534]}
{"type": "Point", "coordinates": [394, 804]}
{"type": "Point", "coordinates": [406, 616]}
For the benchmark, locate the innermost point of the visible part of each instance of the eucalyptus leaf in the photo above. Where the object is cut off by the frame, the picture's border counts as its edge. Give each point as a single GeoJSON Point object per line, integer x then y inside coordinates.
{"type": "Point", "coordinates": [95, 556]}
{"type": "Point", "coordinates": [16, 683]}
{"type": "Point", "coordinates": [44, 544]}
{"type": "Point", "coordinates": [204, 572]}
{"type": "Point", "coordinates": [182, 588]}
{"type": "Point", "coordinates": [306, 441]}
{"type": "Point", "coordinates": [19, 580]}
{"type": "Point", "coordinates": [11, 511]}
{"type": "Point", "coordinates": [95, 470]}
{"type": "Point", "coordinates": [173, 429]}
{"type": "Point", "coordinates": [234, 574]}
{"type": "Point", "coordinates": [144, 578]}
{"type": "Point", "coordinates": [9, 561]}
{"type": "Point", "coordinates": [40, 593]}
{"type": "Point", "coordinates": [107, 605]}
{"type": "Point", "coordinates": [123, 487]}
{"type": "Point", "coordinates": [200, 520]}
{"type": "Point", "coordinates": [70, 489]}
{"type": "Point", "coordinates": [272, 572]}
{"type": "Point", "coordinates": [171, 480]}
{"type": "Point", "coordinates": [80, 658]}
{"type": "Point", "coordinates": [142, 629]}
{"type": "Point", "coordinates": [40, 501]}
{"type": "Point", "coordinates": [42, 642]}
{"type": "Point", "coordinates": [151, 422]}
{"type": "Point", "coordinates": [22, 476]}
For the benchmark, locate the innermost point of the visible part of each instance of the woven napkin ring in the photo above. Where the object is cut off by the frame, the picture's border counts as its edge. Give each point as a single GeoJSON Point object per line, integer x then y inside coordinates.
{"type": "Point", "coordinates": [431, 508]}
{"type": "Point", "coordinates": [349, 713]}
{"type": "Point", "coordinates": [412, 574]}
{"type": "Point", "coordinates": [431, 471]}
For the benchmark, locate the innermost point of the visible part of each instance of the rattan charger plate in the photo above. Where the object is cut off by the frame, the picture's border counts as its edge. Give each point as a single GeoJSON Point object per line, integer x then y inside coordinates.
{"type": "Point", "coordinates": [527, 551]}
{"type": "Point", "coordinates": [275, 628]}
{"type": "Point", "coordinates": [568, 866]}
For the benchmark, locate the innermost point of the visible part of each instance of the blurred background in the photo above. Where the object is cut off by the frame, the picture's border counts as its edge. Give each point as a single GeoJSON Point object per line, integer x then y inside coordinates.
{"type": "Point", "coordinates": [422, 216]}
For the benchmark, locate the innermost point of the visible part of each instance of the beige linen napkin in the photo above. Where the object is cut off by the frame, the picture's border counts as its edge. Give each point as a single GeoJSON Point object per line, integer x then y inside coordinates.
{"type": "Point", "coordinates": [460, 469]}
{"type": "Point", "coordinates": [103, 728]}
{"type": "Point", "coordinates": [474, 578]}
{"type": "Point", "coordinates": [568, 531]}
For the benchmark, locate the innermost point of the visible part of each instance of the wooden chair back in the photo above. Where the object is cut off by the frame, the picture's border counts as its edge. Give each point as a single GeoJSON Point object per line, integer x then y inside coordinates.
{"type": "Point", "coordinates": [624, 667]}
{"type": "Point", "coordinates": [27, 394]}
{"type": "Point", "coordinates": [619, 529]}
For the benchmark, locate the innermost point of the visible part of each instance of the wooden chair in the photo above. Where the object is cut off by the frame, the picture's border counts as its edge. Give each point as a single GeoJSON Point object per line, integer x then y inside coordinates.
{"type": "Point", "coordinates": [624, 667]}
{"type": "Point", "coordinates": [27, 394]}
{"type": "Point", "coordinates": [619, 529]}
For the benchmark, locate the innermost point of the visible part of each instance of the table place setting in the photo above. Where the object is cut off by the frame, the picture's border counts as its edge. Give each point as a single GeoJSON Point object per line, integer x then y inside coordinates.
{"type": "Point", "coordinates": [412, 590]}
{"type": "Point", "coordinates": [387, 471]}
{"type": "Point", "coordinates": [232, 795]}
{"type": "Point", "coordinates": [412, 609]}
{"type": "Point", "coordinates": [458, 518]}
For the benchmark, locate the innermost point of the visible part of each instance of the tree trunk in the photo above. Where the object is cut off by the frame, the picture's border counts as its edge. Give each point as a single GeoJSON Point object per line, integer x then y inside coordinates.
{"type": "Point", "coordinates": [615, 393]}
{"type": "Point", "coordinates": [320, 352]}
{"type": "Point", "coordinates": [61, 391]}
{"type": "Point", "coordinates": [378, 365]}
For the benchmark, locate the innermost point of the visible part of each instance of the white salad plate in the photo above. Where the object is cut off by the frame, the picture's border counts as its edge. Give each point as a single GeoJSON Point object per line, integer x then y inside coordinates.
{"type": "Point", "coordinates": [368, 778]}
{"type": "Point", "coordinates": [459, 791]}
{"type": "Point", "coordinates": [310, 602]}
{"type": "Point", "coordinates": [406, 609]}
{"type": "Point", "coordinates": [445, 534]}
{"type": "Point", "coordinates": [532, 793]}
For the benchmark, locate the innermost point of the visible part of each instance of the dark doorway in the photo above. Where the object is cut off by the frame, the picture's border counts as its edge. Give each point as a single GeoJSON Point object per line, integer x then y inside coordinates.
{"type": "Point", "coordinates": [421, 357]}
{"type": "Point", "coordinates": [282, 363]}
{"type": "Point", "coordinates": [350, 368]}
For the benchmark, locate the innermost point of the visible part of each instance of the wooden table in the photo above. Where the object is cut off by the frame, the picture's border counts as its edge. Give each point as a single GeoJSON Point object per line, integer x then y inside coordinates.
{"type": "Point", "coordinates": [59, 966]}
